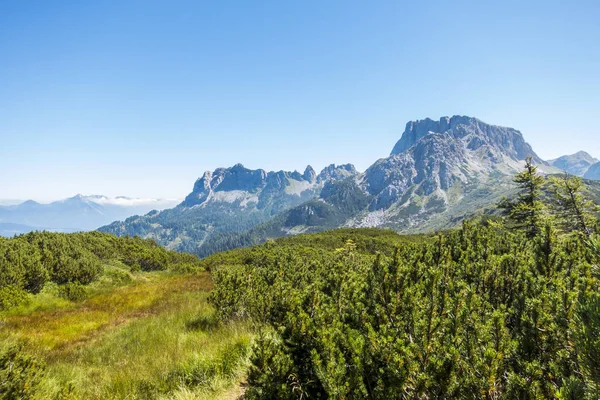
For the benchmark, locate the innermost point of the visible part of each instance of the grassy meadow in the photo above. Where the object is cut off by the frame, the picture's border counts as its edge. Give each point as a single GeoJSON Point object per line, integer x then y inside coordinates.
{"type": "Point", "coordinates": [144, 335]}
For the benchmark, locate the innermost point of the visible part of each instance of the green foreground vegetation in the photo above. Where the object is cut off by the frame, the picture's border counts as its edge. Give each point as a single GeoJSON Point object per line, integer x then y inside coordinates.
{"type": "Point", "coordinates": [501, 308]}
{"type": "Point", "coordinates": [141, 328]}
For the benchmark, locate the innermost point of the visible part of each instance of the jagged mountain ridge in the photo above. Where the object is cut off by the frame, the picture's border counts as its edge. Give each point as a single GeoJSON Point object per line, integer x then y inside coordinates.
{"type": "Point", "coordinates": [259, 186]}
{"type": "Point", "coordinates": [437, 174]}
{"type": "Point", "coordinates": [575, 164]}
{"type": "Point", "coordinates": [229, 200]}
{"type": "Point", "coordinates": [474, 132]}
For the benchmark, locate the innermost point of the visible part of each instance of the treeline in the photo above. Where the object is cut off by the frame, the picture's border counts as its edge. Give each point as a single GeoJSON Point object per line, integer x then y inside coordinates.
{"type": "Point", "coordinates": [28, 262]}
{"type": "Point", "coordinates": [502, 308]}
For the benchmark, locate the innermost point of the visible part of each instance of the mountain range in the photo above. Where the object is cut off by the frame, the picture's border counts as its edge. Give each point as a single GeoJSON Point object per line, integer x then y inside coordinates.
{"type": "Point", "coordinates": [438, 173]}
{"type": "Point", "coordinates": [78, 213]}
{"type": "Point", "coordinates": [230, 200]}
{"type": "Point", "coordinates": [579, 164]}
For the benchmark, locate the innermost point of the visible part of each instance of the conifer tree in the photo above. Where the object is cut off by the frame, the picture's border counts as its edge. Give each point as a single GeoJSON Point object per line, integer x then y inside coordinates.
{"type": "Point", "coordinates": [588, 335]}
{"type": "Point", "coordinates": [527, 211]}
{"type": "Point", "coordinates": [574, 210]}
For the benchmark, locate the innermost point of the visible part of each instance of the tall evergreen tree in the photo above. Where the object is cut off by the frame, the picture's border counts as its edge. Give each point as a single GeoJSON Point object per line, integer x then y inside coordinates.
{"type": "Point", "coordinates": [527, 211]}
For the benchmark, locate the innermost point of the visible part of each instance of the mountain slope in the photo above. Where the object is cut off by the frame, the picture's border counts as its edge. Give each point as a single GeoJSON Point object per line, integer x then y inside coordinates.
{"type": "Point", "coordinates": [593, 172]}
{"type": "Point", "coordinates": [575, 164]}
{"type": "Point", "coordinates": [229, 200]}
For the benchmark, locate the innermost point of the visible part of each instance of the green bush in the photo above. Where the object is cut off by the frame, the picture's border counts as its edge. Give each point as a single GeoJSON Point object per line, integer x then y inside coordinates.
{"type": "Point", "coordinates": [20, 374]}
{"type": "Point", "coordinates": [29, 262]}
{"type": "Point", "coordinates": [73, 291]}
{"type": "Point", "coordinates": [12, 296]}
{"type": "Point", "coordinates": [481, 311]}
{"type": "Point", "coordinates": [119, 277]}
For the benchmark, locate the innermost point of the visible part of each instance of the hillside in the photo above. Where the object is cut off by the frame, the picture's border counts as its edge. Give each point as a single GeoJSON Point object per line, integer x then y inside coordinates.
{"type": "Point", "coordinates": [507, 306]}
{"type": "Point", "coordinates": [593, 172]}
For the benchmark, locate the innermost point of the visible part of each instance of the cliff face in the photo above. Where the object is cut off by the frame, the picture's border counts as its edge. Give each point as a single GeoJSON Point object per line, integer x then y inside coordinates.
{"type": "Point", "coordinates": [433, 156]}
{"type": "Point", "coordinates": [474, 133]}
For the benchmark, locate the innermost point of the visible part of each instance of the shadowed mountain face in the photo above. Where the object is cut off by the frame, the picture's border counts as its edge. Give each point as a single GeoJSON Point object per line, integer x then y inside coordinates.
{"type": "Point", "coordinates": [78, 213]}
{"type": "Point", "coordinates": [575, 164]}
{"type": "Point", "coordinates": [438, 173]}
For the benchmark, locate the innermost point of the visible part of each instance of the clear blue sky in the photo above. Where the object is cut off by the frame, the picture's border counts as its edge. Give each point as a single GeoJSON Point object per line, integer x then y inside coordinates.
{"type": "Point", "coordinates": [139, 98]}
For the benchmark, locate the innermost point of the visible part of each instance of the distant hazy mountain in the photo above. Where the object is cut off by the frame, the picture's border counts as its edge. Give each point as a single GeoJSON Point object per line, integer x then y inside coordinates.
{"type": "Point", "coordinates": [10, 229]}
{"type": "Point", "coordinates": [78, 213]}
{"type": "Point", "coordinates": [575, 164]}
{"type": "Point", "coordinates": [9, 202]}
{"type": "Point", "coordinates": [437, 174]}
{"type": "Point", "coordinates": [229, 200]}
{"type": "Point", "coordinates": [593, 172]}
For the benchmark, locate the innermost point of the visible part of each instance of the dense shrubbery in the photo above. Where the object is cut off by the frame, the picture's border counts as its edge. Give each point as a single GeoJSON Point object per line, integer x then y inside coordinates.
{"type": "Point", "coordinates": [28, 262]}
{"type": "Point", "coordinates": [20, 374]}
{"type": "Point", "coordinates": [499, 309]}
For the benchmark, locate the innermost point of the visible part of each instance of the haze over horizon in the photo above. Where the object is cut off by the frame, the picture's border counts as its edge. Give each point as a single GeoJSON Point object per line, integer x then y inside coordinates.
{"type": "Point", "coordinates": [140, 98]}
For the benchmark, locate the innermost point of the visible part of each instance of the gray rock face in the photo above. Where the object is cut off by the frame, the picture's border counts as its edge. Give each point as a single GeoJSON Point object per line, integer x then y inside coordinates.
{"type": "Point", "coordinates": [474, 133]}
{"type": "Point", "coordinates": [239, 178]}
{"type": "Point", "coordinates": [229, 200]}
{"type": "Point", "coordinates": [593, 172]}
{"type": "Point", "coordinates": [226, 179]}
{"type": "Point", "coordinates": [309, 174]}
{"type": "Point", "coordinates": [432, 156]}
{"type": "Point", "coordinates": [433, 163]}
{"type": "Point", "coordinates": [336, 172]}
{"type": "Point", "coordinates": [575, 164]}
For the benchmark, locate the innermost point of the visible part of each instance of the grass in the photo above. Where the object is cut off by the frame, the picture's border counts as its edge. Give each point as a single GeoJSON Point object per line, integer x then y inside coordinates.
{"type": "Point", "coordinates": [155, 337]}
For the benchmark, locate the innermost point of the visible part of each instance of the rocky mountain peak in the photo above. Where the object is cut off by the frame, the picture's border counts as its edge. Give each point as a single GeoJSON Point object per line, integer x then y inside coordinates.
{"type": "Point", "coordinates": [237, 177]}
{"type": "Point", "coordinates": [259, 185]}
{"type": "Point", "coordinates": [474, 133]}
{"type": "Point", "coordinates": [336, 172]}
{"type": "Point", "coordinates": [309, 174]}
